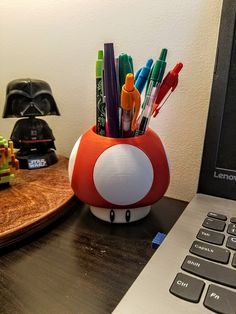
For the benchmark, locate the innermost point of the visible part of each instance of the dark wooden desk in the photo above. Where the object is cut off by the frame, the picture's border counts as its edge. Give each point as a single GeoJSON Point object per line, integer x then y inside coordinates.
{"type": "Point", "coordinates": [81, 264]}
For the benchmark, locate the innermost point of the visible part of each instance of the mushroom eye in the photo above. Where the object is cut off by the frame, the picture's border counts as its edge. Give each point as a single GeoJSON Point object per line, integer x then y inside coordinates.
{"type": "Point", "coordinates": [127, 215]}
{"type": "Point", "coordinates": [112, 215]}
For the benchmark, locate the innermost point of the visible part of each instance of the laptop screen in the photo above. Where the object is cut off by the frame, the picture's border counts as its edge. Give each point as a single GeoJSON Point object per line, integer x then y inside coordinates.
{"type": "Point", "coordinates": [218, 169]}
{"type": "Point", "coordinates": [226, 157]}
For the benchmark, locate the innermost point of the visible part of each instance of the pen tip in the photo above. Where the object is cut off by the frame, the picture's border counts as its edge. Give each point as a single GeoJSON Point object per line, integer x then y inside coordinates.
{"type": "Point", "coordinates": [108, 49]}
{"type": "Point", "coordinates": [100, 54]}
{"type": "Point", "coordinates": [124, 57]}
{"type": "Point", "coordinates": [149, 63]}
{"type": "Point", "coordinates": [163, 54]}
{"type": "Point", "coordinates": [108, 45]}
{"type": "Point", "coordinates": [178, 67]}
{"type": "Point", "coordinates": [129, 82]}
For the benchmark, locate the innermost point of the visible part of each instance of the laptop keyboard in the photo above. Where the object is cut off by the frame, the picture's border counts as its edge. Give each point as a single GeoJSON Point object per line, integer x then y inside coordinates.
{"type": "Point", "coordinates": [213, 257]}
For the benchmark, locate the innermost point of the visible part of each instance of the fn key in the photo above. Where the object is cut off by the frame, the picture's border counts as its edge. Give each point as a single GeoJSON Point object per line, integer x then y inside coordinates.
{"type": "Point", "coordinates": [187, 288]}
{"type": "Point", "coordinates": [220, 300]}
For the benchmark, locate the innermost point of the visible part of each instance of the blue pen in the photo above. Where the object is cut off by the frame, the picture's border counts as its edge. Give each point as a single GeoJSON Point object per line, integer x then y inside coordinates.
{"type": "Point", "coordinates": [137, 74]}
{"type": "Point", "coordinates": [143, 76]}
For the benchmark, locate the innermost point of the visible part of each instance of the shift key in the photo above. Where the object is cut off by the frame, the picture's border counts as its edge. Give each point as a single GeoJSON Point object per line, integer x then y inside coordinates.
{"type": "Point", "coordinates": [211, 271]}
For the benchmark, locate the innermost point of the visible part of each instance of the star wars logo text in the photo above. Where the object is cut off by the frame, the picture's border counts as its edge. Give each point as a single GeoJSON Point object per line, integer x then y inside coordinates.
{"type": "Point", "coordinates": [37, 163]}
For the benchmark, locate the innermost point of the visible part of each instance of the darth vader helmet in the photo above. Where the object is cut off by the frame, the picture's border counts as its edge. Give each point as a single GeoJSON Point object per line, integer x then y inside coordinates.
{"type": "Point", "coordinates": [29, 97]}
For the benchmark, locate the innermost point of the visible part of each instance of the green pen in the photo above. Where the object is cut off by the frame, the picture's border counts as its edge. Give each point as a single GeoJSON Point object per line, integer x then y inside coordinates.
{"type": "Point", "coordinates": [100, 104]}
{"type": "Point", "coordinates": [158, 71]}
{"type": "Point", "coordinates": [125, 67]}
{"type": "Point", "coordinates": [131, 64]}
{"type": "Point", "coordinates": [152, 92]}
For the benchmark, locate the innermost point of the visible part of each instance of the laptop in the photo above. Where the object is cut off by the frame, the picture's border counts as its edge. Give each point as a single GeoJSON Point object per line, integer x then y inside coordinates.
{"type": "Point", "coordinates": [194, 269]}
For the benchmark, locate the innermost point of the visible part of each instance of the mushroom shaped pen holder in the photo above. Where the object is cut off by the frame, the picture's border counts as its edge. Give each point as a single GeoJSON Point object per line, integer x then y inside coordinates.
{"type": "Point", "coordinates": [119, 177]}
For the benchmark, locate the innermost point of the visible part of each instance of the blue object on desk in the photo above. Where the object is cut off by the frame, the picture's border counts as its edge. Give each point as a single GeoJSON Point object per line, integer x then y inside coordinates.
{"type": "Point", "coordinates": [158, 240]}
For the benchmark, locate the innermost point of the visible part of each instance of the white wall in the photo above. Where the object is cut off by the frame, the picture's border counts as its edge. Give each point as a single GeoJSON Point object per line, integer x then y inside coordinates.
{"type": "Point", "coordinates": [57, 41]}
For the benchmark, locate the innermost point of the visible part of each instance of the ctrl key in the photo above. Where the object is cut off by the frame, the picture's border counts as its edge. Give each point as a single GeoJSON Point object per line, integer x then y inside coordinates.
{"type": "Point", "coordinates": [220, 300]}
{"type": "Point", "coordinates": [187, 288]}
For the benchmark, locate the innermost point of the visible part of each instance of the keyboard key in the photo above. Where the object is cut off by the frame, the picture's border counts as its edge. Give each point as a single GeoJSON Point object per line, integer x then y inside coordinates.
{"type": "Point", "coordinates": [211, 236]}
{"type": "Point", "coordinates": [233, 220]}
{"type": "Point", "coordinates": [211, 271]}
{"type": "Point", "coordinates": [231, 243]}
{"type": "Point", "coordinates": [210, 252]}
{"type": "Point", "coordinates": [231, 229]}
{"type": "Point", "coordinates": [220, 300]}
{"type": "Point", "coordinates": [234, 260]}
{"type": "Point", "coordinates": [214, 224]}
{"type": "Point", "coordinates": [217, 216]}
{"type": "Point", "coordinates": [187, 288]}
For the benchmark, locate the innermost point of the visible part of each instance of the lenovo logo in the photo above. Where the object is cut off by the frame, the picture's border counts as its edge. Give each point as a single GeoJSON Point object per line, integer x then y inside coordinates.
{"type": "Point", "coordinates": [224, 176]}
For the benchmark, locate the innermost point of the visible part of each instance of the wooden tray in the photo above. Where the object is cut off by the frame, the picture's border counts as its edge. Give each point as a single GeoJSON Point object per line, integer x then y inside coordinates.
{"type": "Point", "coordinates": [34, 200]}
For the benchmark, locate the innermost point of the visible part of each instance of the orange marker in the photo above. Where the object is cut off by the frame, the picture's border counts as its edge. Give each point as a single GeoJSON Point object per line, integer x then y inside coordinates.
{"type": "Point", "coordinates": [130, 104]}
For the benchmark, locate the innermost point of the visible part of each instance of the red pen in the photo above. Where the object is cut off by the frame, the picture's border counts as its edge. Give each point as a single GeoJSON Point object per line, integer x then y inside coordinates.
{"type": "Point", "coordinates": [169, 83]}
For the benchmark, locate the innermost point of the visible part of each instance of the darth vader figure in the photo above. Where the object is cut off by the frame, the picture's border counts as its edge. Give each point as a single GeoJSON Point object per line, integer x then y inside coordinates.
{"type": "Point", "coordinates": [27, 99]}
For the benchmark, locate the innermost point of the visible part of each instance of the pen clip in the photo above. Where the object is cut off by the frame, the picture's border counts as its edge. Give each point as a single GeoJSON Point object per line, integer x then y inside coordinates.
{"type": "Point", "coordinates": [157, 108]}
{"type": "Point", "coordinates": [173, 87]}
{"type": "Point", "coordinates": [137, 101]}
{"type": "Point", "coordinates": [168, 85]}
{"type": "Point", "coordinates": [131, 99]}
